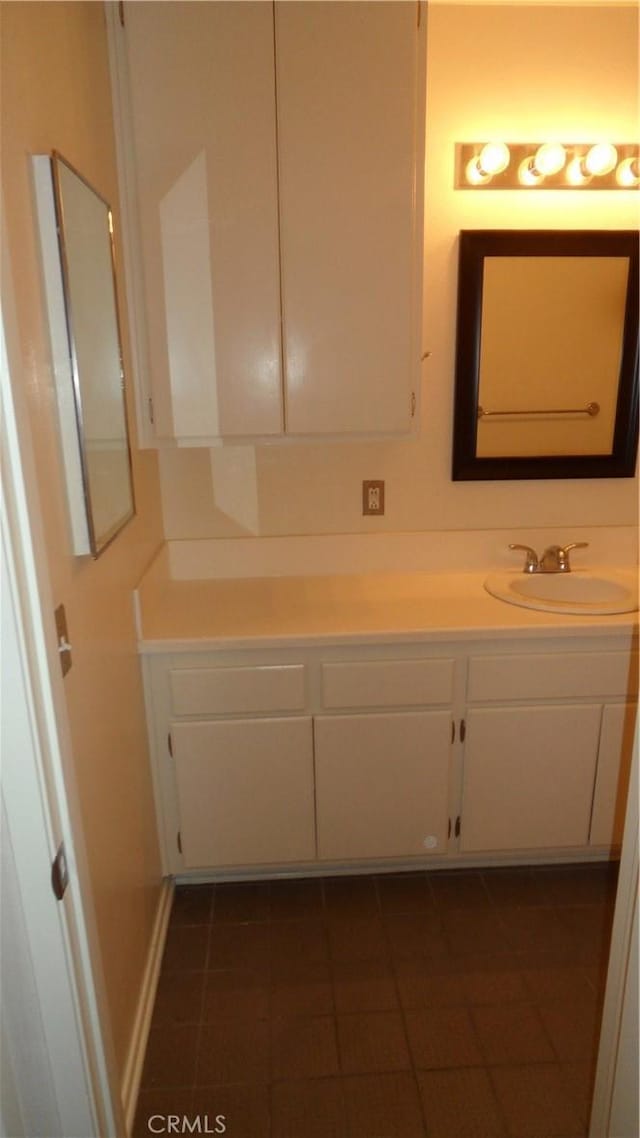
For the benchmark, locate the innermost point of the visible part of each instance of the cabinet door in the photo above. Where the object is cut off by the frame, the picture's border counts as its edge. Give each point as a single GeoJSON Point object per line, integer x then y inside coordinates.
{"type": "Point", "coordinates": [528, 777]}
{"type": "Point", "coordinates": [201, 86]}
{"type": "Point", "coordinates": [351, 244]}
{"type": "Point", "coordinates": [245, 791]}
{"type": "Point", "coordinates": [382, 784]}
{"type": "Point", "coordinates": [612, 779]}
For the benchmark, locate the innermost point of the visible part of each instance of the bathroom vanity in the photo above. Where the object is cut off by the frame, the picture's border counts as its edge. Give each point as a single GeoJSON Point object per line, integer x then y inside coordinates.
{"type": "Point", "coordinates": [324, 724]}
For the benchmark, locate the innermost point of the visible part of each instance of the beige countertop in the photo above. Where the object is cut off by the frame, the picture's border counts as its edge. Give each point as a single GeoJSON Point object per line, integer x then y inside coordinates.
{"type": "Point", "coordinates": [189, 615]}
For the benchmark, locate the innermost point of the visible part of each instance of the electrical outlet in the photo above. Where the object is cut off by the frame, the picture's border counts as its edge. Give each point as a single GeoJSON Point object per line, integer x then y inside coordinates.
{"type": "Point", "coordinates": [373, 497]}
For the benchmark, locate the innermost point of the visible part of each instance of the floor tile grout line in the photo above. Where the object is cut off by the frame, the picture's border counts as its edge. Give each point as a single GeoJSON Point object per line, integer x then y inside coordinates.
{"type": "Point", "coordinates": [549, 1038]}
{"type": "Point", "coordinates": [486, 889]}
{"type": "Point", "coordinates": [498, 1101]}
{"type": "Point", "coordinates": [202, 999]}
{"type": "Point", "coordinates": [549, 1065]}
{"type": "Point", "coordinates": [336, 1034]}
{"type": "Point", "coordinates": [430, 889]}
{"type": "Point", "coordinates": [405, 1028]}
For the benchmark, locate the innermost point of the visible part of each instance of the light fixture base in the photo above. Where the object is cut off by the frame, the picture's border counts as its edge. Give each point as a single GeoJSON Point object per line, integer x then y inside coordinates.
{"type": "Point", "coordinates": [521, 172]}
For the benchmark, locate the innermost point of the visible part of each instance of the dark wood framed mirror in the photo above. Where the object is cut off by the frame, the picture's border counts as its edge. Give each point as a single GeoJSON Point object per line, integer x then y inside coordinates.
{"type": "Point", "coordinates": [546, 355]}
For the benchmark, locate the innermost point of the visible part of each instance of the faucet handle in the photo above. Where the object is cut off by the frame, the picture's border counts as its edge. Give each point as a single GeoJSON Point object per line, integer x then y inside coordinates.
{"type": "Point", "coordinates": [555, 559]}
{"type": "Point", "coordinates": [567, 549]}
{"type": "Point", "coordinates": [531, 560]}
{"type": "Point", "coordinates": [575, 545]}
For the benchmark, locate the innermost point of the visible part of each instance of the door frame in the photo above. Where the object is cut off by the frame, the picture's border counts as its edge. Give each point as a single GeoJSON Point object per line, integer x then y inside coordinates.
{"type": "Point", "coordinates": [614, 1112]}
{"type": "Point", "coordinates": [41, 808]}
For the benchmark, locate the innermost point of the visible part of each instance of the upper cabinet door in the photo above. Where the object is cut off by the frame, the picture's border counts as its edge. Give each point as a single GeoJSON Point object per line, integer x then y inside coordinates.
{"type": "Point", "coordinates": [350, 88]}
{"type": "Point", "coordinates": [203, 127]}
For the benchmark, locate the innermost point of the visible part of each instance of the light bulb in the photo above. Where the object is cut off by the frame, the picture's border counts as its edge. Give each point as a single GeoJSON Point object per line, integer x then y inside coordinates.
{"type": "Point", "coordinates": [550, 158]}
{"type": "Point", "coordinates": [601, 158]}
{"type": "Point", "coordinates": [528, 174]}
{"type": "Point", "coordinates": [493, 158]}
{"type": "Point", "coordinates": [576, 175]}
{"type": "Point", "coordinates": [628, 173]}
{"type": "Point", "coordinates": [474, 174]}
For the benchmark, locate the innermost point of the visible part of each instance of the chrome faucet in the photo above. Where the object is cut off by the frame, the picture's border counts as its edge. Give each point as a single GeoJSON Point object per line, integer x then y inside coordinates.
{"type": "Point", "coordinates": [555, 558]}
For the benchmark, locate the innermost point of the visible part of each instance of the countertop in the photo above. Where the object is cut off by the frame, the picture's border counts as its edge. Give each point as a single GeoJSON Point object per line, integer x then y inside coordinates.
{"type": "Point", "coordinates": [280, 611]}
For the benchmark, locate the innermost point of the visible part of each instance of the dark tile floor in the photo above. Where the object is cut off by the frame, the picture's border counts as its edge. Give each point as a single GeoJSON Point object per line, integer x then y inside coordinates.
{"type": "Point", "coordinates": [463, 1004]}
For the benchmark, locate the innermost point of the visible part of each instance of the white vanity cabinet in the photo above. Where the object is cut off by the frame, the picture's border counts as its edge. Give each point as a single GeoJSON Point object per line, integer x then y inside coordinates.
{"type": "Point", "coordinates": [339, 755]}
{"type": "Point", "coordinates": [245, 791]}
{"type": "Point", "coordinates": [271, 166]}
{"type": "Point", "coordinates": [528, 777]}
{"type": "Point", "coordinates": [382, 784]}
{"type": "Point", "coordinates": [614, 764]}
{"type": "Point", "coordinates": [233, 760]}
{"type": "Point", "coordinates": [283, 758]}
{"type": "Point", "coordinates": [383, 772]}
{"type": "Point", "coordinates": [542, 771]}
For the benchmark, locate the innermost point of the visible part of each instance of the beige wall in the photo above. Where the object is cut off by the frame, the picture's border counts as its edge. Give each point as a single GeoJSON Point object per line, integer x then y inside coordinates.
{"type": "Point", "coordinates": [55, 94]}
{"type": "Point", "coordinates": [519, 73]}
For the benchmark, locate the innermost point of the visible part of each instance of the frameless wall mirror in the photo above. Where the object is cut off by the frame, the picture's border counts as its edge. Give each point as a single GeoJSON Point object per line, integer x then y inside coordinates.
{"type": "Point", "coordinates": [76, 232]}
{"type": "Point", "coordinates": [546, 355]}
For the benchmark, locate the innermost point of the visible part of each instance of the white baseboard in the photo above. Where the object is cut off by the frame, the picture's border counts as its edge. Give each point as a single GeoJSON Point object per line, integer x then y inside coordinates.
{"type": "Point", "coordinates": [509, 860]}
{"type": "Point", "coordinates": [144, 1010]}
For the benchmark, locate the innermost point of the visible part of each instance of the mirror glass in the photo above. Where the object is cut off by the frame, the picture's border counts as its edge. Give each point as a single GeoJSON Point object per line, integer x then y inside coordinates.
{"type": "Point", "coordinates": [546, 375]}
{"type": "Point", "coordinates": [85, 230]}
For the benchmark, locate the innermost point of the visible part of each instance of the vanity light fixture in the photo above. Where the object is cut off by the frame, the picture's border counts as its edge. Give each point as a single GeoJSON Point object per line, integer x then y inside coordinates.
{"type": "Point", "coordinates": [547, 165]}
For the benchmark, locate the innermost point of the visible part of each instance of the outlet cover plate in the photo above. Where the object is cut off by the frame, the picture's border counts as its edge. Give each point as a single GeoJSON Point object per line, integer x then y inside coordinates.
{"type": "Point", "coordinates": [373, 497]}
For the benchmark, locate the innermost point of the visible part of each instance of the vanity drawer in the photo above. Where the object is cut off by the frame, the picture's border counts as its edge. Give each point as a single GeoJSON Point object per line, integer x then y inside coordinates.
{"type": "Point", "coordinates": [230, 691]}
{"type": "Point", "coordinates": [387, 683]}
{"type": "Point", "coordinates": [565, 675]}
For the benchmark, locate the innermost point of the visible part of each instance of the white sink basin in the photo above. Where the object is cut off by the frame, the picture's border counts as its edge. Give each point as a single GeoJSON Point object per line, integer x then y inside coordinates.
{"type": "Point", "coordinates": [579, 592]}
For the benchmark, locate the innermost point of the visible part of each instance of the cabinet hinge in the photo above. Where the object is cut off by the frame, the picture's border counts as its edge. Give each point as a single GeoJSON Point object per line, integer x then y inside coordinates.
{"type": "Point", "coordinates": [413, 404]}
{"type": "Point", "coordinates": [449, 829]}
{"type": "Point", "coordinates": [170, 744]}
{"type": "Point", "coordinates": [457, 827]}
{"type": "Point", "coordinates": [150, 409]}
{"type": "Point", "coordinates": [121, 11]}
{"type": "Point", "coordinates": [453, 730]}
{"type": "Point", "coordinates": [59, 873]}
{"type": "Point", "coordinates": [463, 730]}
{"type": "Point", "coordinates": [179, 841]}
{"type": "Point", "coordinates": [419, 13]}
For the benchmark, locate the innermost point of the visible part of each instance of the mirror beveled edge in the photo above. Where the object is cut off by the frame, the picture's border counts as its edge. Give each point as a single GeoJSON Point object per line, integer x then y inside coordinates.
{"type": "Point", "coordinates": [98, 542]}
{"type": "Point", "coordinates": [474, 246]}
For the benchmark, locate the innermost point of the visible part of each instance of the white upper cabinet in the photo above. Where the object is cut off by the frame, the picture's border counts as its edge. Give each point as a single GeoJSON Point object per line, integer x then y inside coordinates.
{"type": "Point", "coordinates": [271, 161]}
{"type": "Point", "coordinates": [203, 142]}
{"type": "Point", "coordinates": [347, 110]}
